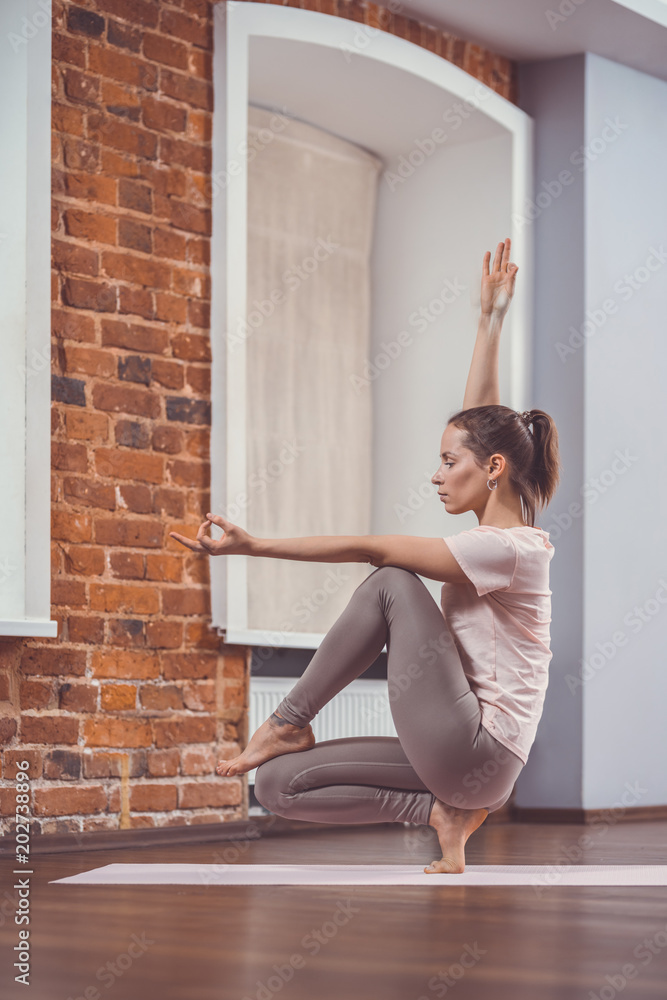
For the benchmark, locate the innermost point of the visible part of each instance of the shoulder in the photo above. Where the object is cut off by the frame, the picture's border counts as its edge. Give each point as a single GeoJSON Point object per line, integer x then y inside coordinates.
{"type": "Point", "coordinates": [488, 556]}
{"type": "Point", "coordinates": [487, 535]}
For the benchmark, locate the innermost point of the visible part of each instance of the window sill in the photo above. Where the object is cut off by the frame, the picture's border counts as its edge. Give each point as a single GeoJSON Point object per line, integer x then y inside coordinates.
{"type": "Point", "coordinates": [29, 627]}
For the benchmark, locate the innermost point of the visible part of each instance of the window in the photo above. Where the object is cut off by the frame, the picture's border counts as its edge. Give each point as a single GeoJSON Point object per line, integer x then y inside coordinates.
{"type": "Point", "coordinates": [25, 304]}
{"type": "Point", "coordinates": [455, 175]}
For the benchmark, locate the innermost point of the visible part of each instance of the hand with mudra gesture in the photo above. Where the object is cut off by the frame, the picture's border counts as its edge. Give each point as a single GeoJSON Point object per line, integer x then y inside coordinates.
{"type": "Point", "coordinates": [235, 541]}
{"type": "Point", "coordinates": [498, 282]}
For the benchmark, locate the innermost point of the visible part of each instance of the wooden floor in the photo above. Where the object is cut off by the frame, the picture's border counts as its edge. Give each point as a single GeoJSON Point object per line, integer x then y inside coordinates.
{"type": "Point", "coordinates": [389, 943]}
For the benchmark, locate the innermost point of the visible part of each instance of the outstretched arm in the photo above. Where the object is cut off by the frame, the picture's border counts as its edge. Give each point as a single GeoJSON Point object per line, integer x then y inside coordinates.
{"type": "Point", "coordinates": [482, 387]}
{"type": "Point", "coordinates": [430, 557]}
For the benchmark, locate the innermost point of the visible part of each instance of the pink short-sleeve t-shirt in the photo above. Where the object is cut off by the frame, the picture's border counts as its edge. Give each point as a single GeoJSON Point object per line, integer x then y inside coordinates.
{"type": "Point", "coordinates": [500, 622]}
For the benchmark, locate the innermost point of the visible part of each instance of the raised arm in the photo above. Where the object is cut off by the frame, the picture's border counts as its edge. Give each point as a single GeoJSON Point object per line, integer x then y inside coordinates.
{"type": "Point", "coordinates": [482, 387]}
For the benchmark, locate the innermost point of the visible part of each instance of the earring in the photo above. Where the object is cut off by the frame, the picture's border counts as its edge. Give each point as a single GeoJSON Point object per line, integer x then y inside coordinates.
{"type": "Point", "coordinates": [495, 484]}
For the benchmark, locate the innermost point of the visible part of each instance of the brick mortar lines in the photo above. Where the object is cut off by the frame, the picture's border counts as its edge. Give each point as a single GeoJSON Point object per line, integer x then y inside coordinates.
{"type": "Point", "coordinates": [132, 214]}
{"type": "Point", "coordinates": [112, 211]}
{"type": "Point", "coordinates": [172, 818]}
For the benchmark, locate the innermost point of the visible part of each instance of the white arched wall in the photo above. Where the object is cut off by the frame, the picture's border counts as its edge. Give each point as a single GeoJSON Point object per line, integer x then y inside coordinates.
{"type": "Point", "coordinates": [458, 165]}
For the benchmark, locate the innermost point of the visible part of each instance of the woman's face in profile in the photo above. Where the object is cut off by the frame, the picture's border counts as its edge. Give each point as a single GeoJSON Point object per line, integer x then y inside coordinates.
{"type": "Point", "coordinates": [459, 479]}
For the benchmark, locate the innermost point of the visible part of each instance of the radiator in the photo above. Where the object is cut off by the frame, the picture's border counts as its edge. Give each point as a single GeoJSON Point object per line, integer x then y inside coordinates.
{"type": "Point", "coordinates": [360, 709]}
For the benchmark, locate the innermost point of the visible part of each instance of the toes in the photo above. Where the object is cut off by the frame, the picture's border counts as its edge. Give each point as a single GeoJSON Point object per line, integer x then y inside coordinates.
{"type": "Point", "coordinates": [227, 769]}
{"type": "Point", "coordinates": [445, 866]}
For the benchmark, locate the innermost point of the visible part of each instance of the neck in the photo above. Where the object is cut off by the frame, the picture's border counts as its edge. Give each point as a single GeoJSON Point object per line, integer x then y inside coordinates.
{"type": "Point", "coordinates": [499, 513]}
{"type": "Point", "coordinates": [494, 524]}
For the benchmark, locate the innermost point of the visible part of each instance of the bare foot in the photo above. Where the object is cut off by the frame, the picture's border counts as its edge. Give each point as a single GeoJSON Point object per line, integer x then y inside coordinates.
{"type": "Point", "coordinates": [453, 827]}
{"type": "Point", "coordinates": [274, 737]}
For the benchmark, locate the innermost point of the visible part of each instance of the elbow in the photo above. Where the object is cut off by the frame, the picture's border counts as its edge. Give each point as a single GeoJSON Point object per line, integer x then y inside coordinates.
{"type": "Point", "coordinates": [369, 552]}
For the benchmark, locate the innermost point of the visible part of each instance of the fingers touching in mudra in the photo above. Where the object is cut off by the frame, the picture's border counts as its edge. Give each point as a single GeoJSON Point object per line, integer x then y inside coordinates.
{"type": "Point", "coordinates": [234, 541]}
{"type": "Point", "coordinates": [498, 280]}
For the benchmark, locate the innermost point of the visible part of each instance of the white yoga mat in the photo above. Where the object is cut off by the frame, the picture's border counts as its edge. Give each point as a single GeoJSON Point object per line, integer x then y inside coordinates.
{"type": "Point", "coordinates": [542, 876]}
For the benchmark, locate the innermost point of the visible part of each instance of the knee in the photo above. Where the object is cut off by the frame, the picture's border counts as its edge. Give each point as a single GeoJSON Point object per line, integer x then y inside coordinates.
{"type": "Point", "coordinates": [499, 803]}
{"type": "Point", "coordinates": [391, 574]}
{"type": "Point", "coordinates": [270, 786]}
{"type": "Point", "coordinates": [391, 581]}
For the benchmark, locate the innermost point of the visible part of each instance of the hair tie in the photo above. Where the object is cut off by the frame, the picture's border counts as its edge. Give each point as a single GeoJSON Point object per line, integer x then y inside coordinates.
{"type": "Point", "coordinates": [527, 416]}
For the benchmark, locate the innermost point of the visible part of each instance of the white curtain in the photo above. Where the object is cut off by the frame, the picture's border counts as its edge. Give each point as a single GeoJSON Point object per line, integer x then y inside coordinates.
{"type": "Point", "coordinates": [311, 207]}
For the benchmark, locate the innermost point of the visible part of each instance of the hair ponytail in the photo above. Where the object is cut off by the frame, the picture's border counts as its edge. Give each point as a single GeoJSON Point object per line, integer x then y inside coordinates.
{"type": "Point", "coordinates": [545, 469]}
{"type": "Point", "coordinates": [532, 456]}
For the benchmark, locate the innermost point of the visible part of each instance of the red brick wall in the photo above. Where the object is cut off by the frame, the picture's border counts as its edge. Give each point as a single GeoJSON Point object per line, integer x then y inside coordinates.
{"type": "Point", "coordinates": [124, 715]}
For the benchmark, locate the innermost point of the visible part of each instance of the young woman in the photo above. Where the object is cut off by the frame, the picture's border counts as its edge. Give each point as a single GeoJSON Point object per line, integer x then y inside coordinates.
{"type": "Point", "coordinates": [467, 680]}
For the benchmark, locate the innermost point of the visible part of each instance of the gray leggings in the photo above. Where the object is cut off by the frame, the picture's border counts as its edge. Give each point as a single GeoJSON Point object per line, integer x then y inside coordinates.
{"type": "Point", "coordinates": [442, 749]}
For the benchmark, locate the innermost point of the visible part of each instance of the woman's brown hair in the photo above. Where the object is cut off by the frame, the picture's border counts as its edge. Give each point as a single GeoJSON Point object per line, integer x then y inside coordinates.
{"type": "Point", "coordinates": [532, 456]}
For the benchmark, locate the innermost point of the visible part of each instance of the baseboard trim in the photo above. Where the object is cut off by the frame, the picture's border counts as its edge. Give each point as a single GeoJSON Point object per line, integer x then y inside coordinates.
{"type": "Point", "coordinates": [203, 833]}
{"type": "Point", "coordinates": [265, 826]}
{"type": "Point", "coordinates": [585, 817]}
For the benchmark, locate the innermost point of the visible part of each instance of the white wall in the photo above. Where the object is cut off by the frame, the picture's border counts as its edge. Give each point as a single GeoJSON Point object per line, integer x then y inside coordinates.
{"type": "Point", "coordinates": [430, 239]}
{"type": "Point", "coordinates": [552, 93]}
{"type": "Point", "coordinates": [601, 376]}
{"type": "Point", "coordinates": [625, 572]}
